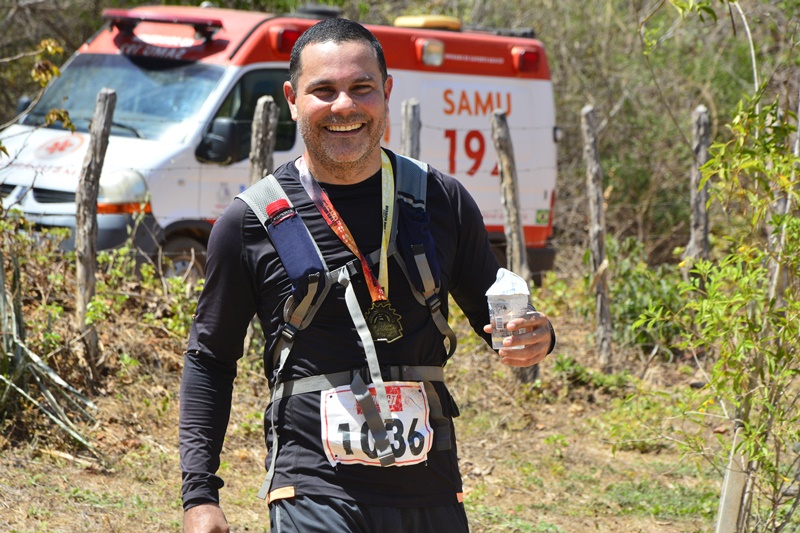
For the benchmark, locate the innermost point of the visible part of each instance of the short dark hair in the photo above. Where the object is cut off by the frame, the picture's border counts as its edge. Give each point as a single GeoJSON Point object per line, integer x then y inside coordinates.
{"type": "Point", "coordinates": [335, 30]}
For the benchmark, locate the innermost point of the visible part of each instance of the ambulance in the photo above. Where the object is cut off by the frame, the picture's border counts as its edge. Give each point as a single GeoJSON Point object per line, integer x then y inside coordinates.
{"type": "Point", "coordinates": [187, 80]}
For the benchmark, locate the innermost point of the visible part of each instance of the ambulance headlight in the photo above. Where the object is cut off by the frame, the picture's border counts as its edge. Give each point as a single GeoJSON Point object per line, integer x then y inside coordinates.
{"type": "Point", "coordinates": [122, 192]}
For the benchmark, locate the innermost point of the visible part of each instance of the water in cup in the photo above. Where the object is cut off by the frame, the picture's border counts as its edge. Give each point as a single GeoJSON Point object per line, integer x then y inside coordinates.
{"type": "Point", "coordinates": [508, 298]}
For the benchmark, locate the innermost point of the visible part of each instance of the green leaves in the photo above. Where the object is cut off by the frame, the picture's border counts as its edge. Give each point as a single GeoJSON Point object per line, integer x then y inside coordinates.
{"type": "Point", "coordinates": [746, 317]}
{"type": "Point", "coordinates": [702, 8]}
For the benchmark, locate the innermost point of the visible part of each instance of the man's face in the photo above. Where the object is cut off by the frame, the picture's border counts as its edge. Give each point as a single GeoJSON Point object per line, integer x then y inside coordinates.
{"type": "Point", "coordinates": [340, 106]}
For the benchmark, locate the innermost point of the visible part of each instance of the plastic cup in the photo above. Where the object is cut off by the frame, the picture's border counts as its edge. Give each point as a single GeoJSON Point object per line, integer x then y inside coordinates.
{"type": "Point", "coordinates": [503, 308]}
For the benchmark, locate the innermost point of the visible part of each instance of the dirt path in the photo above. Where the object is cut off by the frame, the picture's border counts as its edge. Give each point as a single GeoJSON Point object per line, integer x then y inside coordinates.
{"type": "Point", "coordinates": [533, 460]}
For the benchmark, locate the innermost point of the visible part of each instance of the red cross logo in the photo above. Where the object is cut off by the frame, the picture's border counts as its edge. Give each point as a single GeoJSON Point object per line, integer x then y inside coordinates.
{"type": "Point", "coordinates": [59, 146]}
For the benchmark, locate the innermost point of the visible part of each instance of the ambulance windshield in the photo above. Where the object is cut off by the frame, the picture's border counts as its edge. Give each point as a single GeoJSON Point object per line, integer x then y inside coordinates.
{"type": "Point", "coordinates": [154, 95]}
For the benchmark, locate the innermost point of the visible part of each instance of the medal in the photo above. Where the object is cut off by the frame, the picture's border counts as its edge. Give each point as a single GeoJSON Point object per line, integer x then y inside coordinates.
{"type": "Point", "coordinates": [383, 322]}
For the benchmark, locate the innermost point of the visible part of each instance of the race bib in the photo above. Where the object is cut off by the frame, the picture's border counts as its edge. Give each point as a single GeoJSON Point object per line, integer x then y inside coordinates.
{"type": "Point", "coordinates": [346, 437]}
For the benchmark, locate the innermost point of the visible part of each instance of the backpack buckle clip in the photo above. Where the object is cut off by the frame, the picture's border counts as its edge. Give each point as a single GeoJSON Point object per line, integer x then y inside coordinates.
{"type": "Point", "coordinates": [434, 302]}
{"type": "Point", "coordinates": [288, 332]}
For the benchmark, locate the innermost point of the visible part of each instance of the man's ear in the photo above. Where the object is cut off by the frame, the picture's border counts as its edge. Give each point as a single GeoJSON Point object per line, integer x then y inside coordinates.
{"type": "Point", "coordinates": [291, 98]}
{"type": "Point", "coordinates": [387, 89]}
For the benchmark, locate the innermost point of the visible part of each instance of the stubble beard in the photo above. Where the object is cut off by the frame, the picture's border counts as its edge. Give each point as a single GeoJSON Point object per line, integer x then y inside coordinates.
{"type": "Point", "coordinates": [329, 158]}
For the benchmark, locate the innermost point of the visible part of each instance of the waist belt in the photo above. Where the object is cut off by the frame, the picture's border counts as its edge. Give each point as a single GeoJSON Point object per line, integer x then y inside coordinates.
{"type": "Point", "coordinates": [424, 374]}
{"type": "Point", "coordinates": [337, 379]}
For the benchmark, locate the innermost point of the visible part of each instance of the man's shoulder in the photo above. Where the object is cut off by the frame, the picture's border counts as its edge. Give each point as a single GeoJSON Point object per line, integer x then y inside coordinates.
{"type": "Point", "coordinates": [285, 173]}
{"type": "Point", "coordinates": [287, 177]}
{"type": "Point", "coordinates": [231, 215]}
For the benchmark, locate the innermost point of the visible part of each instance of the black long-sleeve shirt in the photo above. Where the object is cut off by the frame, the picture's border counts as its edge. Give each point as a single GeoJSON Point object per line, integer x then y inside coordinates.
{"type": "Point", "coordinates": [244, 276]}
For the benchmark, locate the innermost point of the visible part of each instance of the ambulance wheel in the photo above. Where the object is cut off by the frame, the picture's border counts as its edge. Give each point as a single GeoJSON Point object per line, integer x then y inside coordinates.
{"type": "Point", "coordinates": [183, 257]}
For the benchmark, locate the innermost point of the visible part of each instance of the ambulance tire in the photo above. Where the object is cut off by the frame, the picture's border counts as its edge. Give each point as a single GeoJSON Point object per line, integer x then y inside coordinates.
{"type": "Point", "coordinates": [184, 257]}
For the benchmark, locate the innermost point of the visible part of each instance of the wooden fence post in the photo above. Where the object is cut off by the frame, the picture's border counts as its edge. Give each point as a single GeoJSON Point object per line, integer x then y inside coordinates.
{"type": "Point", "coordinates": [698, 246]}
{"type": "Point", "coordinates": [86, 222]}
{"type": "Point", "coordinates": [733, 485]}
{"type": "Point", "coordinates": [263, 134]}
{"type": "Point", "coordinates": [516, 254]}
{"type": "Point", "coordinates": [412, 124]}
{"type": "Point", "coordinates": [597, 236]}
{"type": "Point", "coordinates": [262, 138]}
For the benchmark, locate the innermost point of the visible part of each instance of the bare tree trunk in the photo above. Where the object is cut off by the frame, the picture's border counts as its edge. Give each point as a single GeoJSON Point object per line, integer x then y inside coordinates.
{"type": "Point", "coordinates": [262, 139]}
{"type": "Point", "coordinates": [412, 124]}
{"type": "Point", "coordinates": [698, 246]}
{"type": "Point", "coordinates": [262, 149]}
{"type": "Point", "coordinates": [597, 236]}
{"type": "Point", "coordinates": [778, 207]}
{"type": "Point", "coordinates": [516, 254]}
{"type": "Point", "coordinates": [86, 222]}
{"type": "Point", "coordinates": [730, 500]}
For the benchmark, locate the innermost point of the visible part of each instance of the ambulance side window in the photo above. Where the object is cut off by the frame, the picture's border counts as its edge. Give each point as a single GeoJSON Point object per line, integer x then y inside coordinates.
{"type": "Point", "coordinates": [240, 105]}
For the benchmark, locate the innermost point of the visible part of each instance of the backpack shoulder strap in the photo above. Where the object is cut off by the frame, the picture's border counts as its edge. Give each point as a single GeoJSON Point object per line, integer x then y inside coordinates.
{"type": "Point", "coordinates": [261, 194]}
{"type": "Point", "coordinates": [412, 180]}
{"type": "Point", "coordinates": [299, 255]}
{"type": "Point", "coordinates": [417, 243]}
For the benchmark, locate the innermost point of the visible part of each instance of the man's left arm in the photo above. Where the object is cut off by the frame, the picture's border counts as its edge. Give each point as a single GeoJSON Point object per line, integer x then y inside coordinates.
{"type": "Point", "coordinates": [475, 270]}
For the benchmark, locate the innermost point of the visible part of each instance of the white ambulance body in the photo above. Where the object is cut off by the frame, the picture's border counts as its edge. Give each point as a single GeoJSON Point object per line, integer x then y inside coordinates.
{"type": "Point", "coordinates": [187, 80]}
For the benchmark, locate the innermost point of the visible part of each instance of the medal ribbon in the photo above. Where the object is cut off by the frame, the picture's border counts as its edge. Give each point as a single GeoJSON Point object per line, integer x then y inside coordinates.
{"type": "Point", "coordinates": [378, 288]}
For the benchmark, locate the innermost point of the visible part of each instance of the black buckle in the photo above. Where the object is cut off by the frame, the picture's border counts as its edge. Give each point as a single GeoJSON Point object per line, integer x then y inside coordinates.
{"type": "Point", "coordinates": [434, 303]}
{"type": "Point", "coordinates": [388, 373]}
{"type": "Point", "coordinates": [387, 458]}
{"type": "Point", "coordinates": [352, 268]}
{"type": "Point", "coordinates": [363, 372]}
{"type": "Point", "coordinates": [288, 332]}
{"type": "Point", "coordinates": [395, 373]}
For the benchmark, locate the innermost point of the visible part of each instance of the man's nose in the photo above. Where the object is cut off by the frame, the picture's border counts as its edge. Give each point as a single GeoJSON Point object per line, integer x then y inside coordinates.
{"type": "Point", "coordinates": [343, 103]}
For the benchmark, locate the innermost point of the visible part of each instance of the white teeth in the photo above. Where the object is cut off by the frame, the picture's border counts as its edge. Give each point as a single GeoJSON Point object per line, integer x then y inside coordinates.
{"type": "Point", "coordinates": [349, 127]}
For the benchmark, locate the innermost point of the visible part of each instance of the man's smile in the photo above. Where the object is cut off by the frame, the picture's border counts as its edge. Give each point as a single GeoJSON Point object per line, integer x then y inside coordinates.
{"type": "Point", "coordinates": [344, 127]}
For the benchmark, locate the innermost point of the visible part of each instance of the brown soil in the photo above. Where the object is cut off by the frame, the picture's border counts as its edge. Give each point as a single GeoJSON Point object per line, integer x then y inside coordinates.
{"type": "Point", "coordinates": [532, 458]}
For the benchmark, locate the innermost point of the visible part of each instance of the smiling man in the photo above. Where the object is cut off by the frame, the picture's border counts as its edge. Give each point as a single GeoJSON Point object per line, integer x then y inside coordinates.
{"type": "Point", "coordinates": [349, 272]}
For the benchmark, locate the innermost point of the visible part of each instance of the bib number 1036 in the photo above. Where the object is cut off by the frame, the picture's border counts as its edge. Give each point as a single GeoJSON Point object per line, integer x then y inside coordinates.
{"type": "Point", "coordinates": [347, 439]}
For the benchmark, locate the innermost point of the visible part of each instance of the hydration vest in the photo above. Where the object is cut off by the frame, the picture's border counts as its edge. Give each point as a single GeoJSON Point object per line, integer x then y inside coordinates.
{"type": "Point", "coordinates": [411, 244]}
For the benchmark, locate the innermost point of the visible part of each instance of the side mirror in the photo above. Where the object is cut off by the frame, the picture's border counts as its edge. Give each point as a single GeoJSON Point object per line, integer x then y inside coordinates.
{"type": "Point", "coordinates": [221, 144]}
{"type": "Point", "coordinates": [23, 104]}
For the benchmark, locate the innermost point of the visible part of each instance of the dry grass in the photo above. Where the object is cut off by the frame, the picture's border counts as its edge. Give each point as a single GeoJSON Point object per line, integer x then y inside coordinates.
{"type": "Point", "coordinates": [535, 459]}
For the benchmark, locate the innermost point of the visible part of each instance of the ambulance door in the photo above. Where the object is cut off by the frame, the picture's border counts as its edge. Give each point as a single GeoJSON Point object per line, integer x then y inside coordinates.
{"type": "Point", "coordinates": [222, 182]}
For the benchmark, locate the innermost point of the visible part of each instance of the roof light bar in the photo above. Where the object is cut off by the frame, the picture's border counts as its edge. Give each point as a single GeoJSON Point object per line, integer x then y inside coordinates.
{"type": "Point", "coordinates": [437, 22]}
{"type": "Point", "coordinates": [282, 39]}
{"type": "Point", "coordinates": [126, 20]}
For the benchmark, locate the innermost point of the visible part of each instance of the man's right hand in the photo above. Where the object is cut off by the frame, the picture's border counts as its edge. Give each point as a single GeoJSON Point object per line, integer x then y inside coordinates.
{"type": "Point", "coordinates": [205, 518]}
